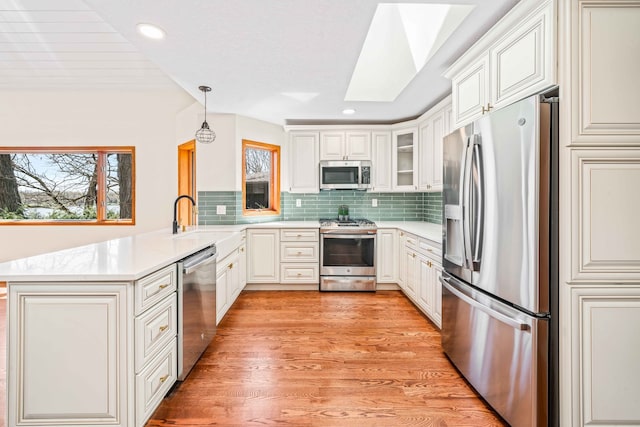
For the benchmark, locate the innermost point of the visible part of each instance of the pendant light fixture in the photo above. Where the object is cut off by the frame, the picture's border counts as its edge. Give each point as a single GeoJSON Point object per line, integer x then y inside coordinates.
{"type": "Point", "coordinates": [205, 135]}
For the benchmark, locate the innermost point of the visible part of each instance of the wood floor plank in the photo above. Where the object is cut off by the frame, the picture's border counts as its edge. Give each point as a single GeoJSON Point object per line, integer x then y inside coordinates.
{"type": "Point", "coordinates": [324, 359]}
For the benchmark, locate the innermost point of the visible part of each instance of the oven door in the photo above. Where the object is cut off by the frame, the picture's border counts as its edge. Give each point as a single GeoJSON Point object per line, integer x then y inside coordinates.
{"type": "Point", "coordinates": [347, 254]}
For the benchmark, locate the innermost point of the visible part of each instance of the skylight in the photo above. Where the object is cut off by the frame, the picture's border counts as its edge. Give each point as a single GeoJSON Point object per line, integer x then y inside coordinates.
{"type": "Point", "coordinates": [402, 37]}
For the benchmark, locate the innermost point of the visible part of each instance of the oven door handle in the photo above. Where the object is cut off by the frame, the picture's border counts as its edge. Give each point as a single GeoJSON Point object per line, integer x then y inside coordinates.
{"type": "Point", "coordinates": [368, 235]}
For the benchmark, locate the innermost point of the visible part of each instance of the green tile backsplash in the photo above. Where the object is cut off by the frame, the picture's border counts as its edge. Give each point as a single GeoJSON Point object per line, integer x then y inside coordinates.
{"type": "Point", "coordinates": [391, 207]}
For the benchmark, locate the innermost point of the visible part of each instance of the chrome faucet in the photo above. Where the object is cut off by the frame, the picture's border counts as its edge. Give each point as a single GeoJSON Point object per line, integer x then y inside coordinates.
{"type": "Point", "coordinates": [175, 210]}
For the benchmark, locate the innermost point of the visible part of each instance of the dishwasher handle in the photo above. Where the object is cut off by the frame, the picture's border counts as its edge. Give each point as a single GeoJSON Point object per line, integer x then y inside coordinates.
{"type": "Point", "coordinates": [199, 259]}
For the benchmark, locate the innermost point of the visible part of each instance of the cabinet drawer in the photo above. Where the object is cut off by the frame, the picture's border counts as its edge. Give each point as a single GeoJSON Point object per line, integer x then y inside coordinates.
{"type": "Point", "coordinates": [429, 248]}
{"type": "Point", "coordinates": [299, 273]}
{"type": "Point", "coordinates": [154, 287]}
{"type": "Point", "coordinates": [154, 329]}
{"type": "Point", "coordinates": [155, 381]}
{"type": "Point", "coordinates": [410, 240]}
{"type": "Point", "coordinates": [299, 252]}
{"type": "Point", "coordinates": [299, 235]}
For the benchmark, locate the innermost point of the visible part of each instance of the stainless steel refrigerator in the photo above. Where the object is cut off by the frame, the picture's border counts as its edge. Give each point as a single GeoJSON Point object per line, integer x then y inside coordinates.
{"type": "Point", "coordinates": [499, 296]}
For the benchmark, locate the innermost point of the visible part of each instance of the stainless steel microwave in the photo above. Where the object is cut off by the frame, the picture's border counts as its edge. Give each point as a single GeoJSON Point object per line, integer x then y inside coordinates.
{"type": "Point", "coordinates": [345, 174]}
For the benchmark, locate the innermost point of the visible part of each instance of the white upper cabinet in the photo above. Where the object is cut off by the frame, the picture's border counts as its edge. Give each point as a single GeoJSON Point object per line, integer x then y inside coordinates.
{"type": "Point", "coordinates": [304, 173]}
{"type": "Point", "coordinates": [358, 145]}
{"type": "Point", "coordinates": [432, 131]}
{"type": "Point", "coordinates": [332, 145]}
{"type": "Point", "coordinates": [381, 161]}
{"type": "Point", "coordinates": [514, 59]}
{"type": "Point", "coordinates": [404, 159]}
{"type": "Point", "coordinates": [605, 73]}
{"type": "Point", "coordinates": [350, 145]}
{"type": "Point", "coordinates": [522, 63]}
{"type": "Point", "coordinates": [470, 91]}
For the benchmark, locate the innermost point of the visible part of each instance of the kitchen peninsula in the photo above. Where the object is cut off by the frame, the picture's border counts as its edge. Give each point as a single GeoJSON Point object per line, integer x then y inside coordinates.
{"type": "Point", "coordinates": [99, 321]}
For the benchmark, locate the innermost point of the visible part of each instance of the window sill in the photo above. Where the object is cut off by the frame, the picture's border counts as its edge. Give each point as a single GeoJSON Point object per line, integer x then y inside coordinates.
{"type": "Point", "coordinates": [265, 212]}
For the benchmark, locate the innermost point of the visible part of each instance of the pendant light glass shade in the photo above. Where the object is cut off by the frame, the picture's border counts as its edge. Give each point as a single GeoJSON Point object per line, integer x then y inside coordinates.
{"type": "Point", "coordinates": [205, 135]}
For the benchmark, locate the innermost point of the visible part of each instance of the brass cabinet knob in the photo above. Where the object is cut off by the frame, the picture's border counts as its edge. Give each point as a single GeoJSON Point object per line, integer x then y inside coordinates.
{"type": "Point", "coordinates": [231, 266]}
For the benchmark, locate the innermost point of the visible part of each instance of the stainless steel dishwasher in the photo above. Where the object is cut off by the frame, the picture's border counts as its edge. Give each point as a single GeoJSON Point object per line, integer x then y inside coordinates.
{"type": "Point", "coordinates": [196, 307]}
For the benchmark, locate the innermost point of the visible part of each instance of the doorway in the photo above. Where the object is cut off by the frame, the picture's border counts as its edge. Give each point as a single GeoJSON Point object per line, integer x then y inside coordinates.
{"type": "Point", "coordinates": [186, 181]}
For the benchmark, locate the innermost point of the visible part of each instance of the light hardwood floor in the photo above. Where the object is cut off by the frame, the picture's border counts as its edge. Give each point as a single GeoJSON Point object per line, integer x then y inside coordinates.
{"type": "Point", "coordinates": [324, 359]}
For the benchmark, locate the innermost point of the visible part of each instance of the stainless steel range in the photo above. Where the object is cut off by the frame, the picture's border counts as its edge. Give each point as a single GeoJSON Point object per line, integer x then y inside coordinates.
{"type": "Point", "coordinates": [347, 255]}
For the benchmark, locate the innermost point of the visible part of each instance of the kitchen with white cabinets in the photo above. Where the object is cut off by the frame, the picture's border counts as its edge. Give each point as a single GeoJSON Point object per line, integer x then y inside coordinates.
{"type": "Point", "coordinates": [118, 284]}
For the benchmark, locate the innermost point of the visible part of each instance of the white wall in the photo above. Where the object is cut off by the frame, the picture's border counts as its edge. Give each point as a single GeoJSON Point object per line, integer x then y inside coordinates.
{"type": "Point", "coordinates": [144, 119]}
{"type": "Point", "coordinates": [216, 162]}
{"type": "Point", "coordinates": [218, 165]}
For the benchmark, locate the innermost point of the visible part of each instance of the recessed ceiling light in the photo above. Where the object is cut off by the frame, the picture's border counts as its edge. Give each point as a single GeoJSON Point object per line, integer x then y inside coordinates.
{"type": "Point", "coordinates": [151, 31]}
{"type": "Point", "coordinates": [348, 111]}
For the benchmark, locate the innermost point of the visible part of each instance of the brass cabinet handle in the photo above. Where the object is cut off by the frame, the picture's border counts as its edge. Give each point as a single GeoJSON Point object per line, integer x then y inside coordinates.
{"type": "Point", "coordinates": [401, 234]}
{"type": "Point", "coordinates": [163, 286]}
{"type": "Point", "coordinates": [164, 328]}
{"type": "Point", "coordinates": [486, 110]}
{"type": "Point", "coordinates": [163, 379]}
{"type": "Point", "coordinates": [299, 252]}
{"type": "Point", "coordinates": [414, 255]}
{"type": "Point", "coordinates": [299, 274]}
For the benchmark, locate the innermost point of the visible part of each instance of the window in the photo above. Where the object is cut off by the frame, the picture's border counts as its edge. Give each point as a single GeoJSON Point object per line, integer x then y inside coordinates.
{"type": "Point", "coordinates": [260, 178]}
{"type": "Point", "coordinates": [70, 185]}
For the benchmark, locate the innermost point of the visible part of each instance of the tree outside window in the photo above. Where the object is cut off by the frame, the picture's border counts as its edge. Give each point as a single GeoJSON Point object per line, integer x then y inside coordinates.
{"type": "Point", "coordinates": [260, 178]}
{"type": "Point", "coordinates": [92, 185]}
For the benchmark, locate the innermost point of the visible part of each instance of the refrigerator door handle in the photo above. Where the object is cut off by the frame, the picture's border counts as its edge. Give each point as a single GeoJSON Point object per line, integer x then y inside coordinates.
{"type": "Point", "coordinates": [514, 323]}
{"type": "Point", "coordinates": [478, 196]}
{"type": "Point", "coordinates": [466, 203]}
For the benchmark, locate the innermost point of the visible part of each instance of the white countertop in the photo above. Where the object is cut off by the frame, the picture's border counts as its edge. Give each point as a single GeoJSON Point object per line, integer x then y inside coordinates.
{"type": "Point", "coordinates": [133, 257]}
{"type": "Point", "coordinates": [425, 230]}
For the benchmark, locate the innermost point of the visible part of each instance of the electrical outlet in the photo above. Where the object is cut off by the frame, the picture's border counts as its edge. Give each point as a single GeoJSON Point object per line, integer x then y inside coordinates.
{"type": "Point", "coordinates": [221, 209]}
{"type": "Point", "coordinates": [374, 203]}
{"type": "Point", "coordinates": [298, 203]}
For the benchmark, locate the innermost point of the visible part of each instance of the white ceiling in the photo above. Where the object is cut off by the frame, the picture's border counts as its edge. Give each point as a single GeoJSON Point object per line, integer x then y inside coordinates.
{"type": "Point", "coordinates": [283, 61]}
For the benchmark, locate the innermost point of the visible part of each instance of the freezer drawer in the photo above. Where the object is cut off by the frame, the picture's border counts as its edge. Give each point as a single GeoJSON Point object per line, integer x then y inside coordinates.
{"type": "Point", "coordinates": [501, 351]}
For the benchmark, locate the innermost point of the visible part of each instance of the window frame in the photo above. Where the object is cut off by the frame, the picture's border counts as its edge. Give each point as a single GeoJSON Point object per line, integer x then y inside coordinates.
{"type": "Point", "coordinates": [101, 207]}
{"type": "Point", "coordinates": [274, 188]}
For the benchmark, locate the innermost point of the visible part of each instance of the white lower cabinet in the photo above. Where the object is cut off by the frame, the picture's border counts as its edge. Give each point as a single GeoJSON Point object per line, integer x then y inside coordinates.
{"type": "Point", "coordinates": [231, 278]}
{"type": "Point", "coordinates": [287, 256]}
{"type": "Point", "coordinates": [386, 256]}
{"type": "Point", "coordinates": [263, 259]}
{"type": "Point", "coordinates": [402, 263]}
{"type": "Point", "coordinates": [604, 355]}
{"type": "Point", "coordinates": [153, 383]}
{"type": "Point", "coordinates": [299, 273]}
{"type": "Point", "coordinates": [118, 337]}
{"type": "Point", "coordinates": [62, 338]}
{"type": "Point", "coordinates": [419, 274]}
{"type": "Point", "coordinates": [299, 256]}
{"type": "Point", "coordinates": [412, 272]}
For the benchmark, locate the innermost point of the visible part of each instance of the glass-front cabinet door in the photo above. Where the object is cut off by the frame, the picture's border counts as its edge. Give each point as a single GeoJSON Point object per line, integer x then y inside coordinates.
{"type": "Point", "coordinates": [404, 155]}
